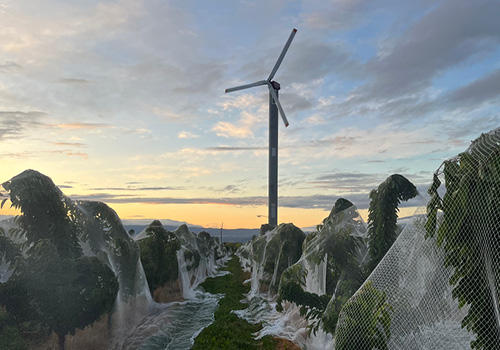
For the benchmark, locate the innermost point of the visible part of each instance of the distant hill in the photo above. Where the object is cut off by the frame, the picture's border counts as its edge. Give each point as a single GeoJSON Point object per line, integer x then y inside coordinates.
{"type": "Point", "coordinates": [228, 235]}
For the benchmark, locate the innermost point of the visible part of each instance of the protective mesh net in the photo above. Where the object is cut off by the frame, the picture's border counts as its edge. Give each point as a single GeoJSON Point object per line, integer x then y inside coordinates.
{"type": "Point", "coordinates": [438, 285]}
{"type": "Point", "coordinates": [310, 271]}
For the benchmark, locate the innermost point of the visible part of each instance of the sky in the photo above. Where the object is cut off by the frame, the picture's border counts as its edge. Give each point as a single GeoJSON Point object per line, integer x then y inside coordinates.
{"type": "Point", "coordinates": [123, 101]}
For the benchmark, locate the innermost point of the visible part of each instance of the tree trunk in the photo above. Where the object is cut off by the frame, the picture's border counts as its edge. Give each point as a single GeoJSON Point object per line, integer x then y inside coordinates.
{"type": "Point", "coordinates": [62, 338]}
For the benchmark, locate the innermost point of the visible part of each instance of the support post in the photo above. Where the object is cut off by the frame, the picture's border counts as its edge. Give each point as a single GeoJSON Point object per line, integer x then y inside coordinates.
{"type": "Point", "coordinates": [273, 162]}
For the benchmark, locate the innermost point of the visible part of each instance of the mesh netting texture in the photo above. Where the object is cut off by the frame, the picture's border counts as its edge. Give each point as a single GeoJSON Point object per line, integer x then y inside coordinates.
{"type": "Point", "coordinates": [438, 285]}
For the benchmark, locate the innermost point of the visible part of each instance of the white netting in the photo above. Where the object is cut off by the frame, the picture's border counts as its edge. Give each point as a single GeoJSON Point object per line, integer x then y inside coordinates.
{"type": "Point", "coordinates": [438, 285]}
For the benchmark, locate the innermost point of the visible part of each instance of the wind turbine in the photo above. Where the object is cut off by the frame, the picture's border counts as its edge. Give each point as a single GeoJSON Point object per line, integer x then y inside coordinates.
{"type": "Point", "coordinates": [274, 106]}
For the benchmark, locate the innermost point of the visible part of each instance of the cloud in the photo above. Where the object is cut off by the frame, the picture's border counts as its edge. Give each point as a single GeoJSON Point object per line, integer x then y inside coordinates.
{"type": "Point", "coordinates": [484, 89]}
{"type": "Point", "coordinates": [468, 125]}
{"type": "Point", "coordinates": [184, 88]}
{"type": "Point", "coordinates": [399, 81]}
{"type": "Point", "coordinates": [74, 144]}
{"type": "Point", "coordinates": [64, 186]}
{"type": "Point", "coordinates": [309, 59]}
{"type": "Point", "coordinates": [317, 201]}
{"type": "Point", "coordinates": [167, 114]}
{"type": "Point", "coordinates": [36, 28]}
{"type": "Point", "coordinates": [75, 81]}
{"type": "Point", "coordinates": [386, 141]}
{"type": "Point", "coordinates": [144, 188]}
{"type": "Point", "coordinates": [246, 125]}
{"type": "Point", "coordinates": [76, 154]}
{"type": "Point", "coordinates": [77, 126]}
{"type": "Point", "coordinates": [229, 189]}
{"type": "Point", "coordinates": [351, 142]}
{"type": "Point", "coordinates": [200, 77]}
{"type": "Point", "coordinates": [187, 135]}
{"type": "Point", "coordinates": [142, 132]}
{"type": "Point", "coordinates": [13, 124]}
{"type": "Point", "coordinates": [234, 148]}
{"type": "Point", "coordinates": [293, 102]}
{"type": "Point", "coordinates": [315, 119]}
{"type": "Point", "coordinates": [110, 198]}
{"type": "Point", "coordinates": [43, 153]}
{"type": "Point", "coordinates": [9, 66]}
{"type": "Point", "coordinates": [451, 33]}
{"type": "Point", "coordinates": [345, 182]}
{"type": "Point", "coordinates": [242, 101]}
{"type": "Point", "coordinates": [17, 155]}
{"type": "Point", "coordinates": [227, 129]}
{"type": "Point", "coordinates": [113, 59]}
{"type": "Point", "coordinates": [100, 197]}
{"type": "Point", "coordinates": [336, 14]}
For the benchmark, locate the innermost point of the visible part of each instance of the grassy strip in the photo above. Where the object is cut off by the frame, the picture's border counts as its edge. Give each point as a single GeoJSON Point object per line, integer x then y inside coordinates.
{"type": "Point", "coordinates": [228, 331]}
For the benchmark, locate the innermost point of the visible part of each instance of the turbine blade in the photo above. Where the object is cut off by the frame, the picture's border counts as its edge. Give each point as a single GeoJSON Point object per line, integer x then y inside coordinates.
{"type": "Point", "coordinates": [277, 101]}
{"type": "Point", "coordinates": [242, 87]}
{"type": "Point", "coordinates": [283, 52]}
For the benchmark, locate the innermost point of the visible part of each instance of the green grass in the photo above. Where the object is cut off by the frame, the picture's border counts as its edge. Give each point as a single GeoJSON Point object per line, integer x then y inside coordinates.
{"type": "Point", "coordinates": [228, 331]}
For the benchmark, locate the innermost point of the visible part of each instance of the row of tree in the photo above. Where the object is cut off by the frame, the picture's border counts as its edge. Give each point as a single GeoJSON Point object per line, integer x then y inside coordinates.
{"type": "Point", "coordinates": [349, 264]}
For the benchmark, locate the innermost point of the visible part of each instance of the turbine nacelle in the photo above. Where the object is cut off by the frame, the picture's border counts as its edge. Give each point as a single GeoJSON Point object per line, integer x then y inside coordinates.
{"type": "Point", "coordinates": [271, 84]}
{"type": "Point", "coordinates": [275, 85]}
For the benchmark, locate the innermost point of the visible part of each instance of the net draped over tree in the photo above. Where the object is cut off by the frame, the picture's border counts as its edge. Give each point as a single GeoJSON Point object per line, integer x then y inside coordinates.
{"type": "Point", "coordinates": [437, 287]}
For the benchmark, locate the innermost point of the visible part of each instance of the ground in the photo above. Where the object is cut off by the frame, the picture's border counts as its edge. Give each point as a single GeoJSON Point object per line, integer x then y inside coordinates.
{"type": "Point", "coordinates": [228, 331]}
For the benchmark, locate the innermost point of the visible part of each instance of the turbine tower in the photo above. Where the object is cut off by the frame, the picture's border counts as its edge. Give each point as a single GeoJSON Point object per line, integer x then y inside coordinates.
{"type": "Point", "coordinates": [274, 106]}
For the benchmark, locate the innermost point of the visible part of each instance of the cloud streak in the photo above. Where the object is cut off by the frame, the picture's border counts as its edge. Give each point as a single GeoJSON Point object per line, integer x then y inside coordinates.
{"type": "Point", "coordinates": [80, 126]}
{"type": "Point", "coordinates": [13, 124]}
{"type": "Point", "coordinates": [326, 202]}
{"type": "Point", "coordinates": [400, 76]}
{"type": "Point", "coordinates": [144, 188]}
